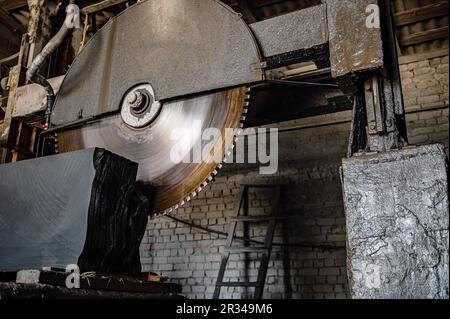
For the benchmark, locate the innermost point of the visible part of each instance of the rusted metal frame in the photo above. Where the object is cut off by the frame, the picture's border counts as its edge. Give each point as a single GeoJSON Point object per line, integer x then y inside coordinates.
{"type": "Point", "coordinates": [374, 108]}
{"type": "Point", "coordinates": [14, 80]}
{"type": "Point", "coordinates": [383, 93]}
{"type": "Point", "coordinates": [40, 28]}
{"type": "Point", "coordinates": [11, 135]}
{"type": "Point", "coordinates": [379, 118]}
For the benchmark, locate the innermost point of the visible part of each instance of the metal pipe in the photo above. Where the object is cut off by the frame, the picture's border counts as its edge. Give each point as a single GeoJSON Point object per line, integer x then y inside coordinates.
{"type": "Point", "coordinates": [33, 71]}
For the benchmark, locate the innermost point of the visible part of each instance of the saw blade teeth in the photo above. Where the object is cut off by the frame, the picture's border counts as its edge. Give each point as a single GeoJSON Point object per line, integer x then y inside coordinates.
{"type": "Point", "coordinates": [227, 157]}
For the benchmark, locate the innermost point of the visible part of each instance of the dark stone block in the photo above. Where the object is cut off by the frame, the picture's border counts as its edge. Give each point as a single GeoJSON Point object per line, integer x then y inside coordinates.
{"type": "Point", "coordinates": [77, 208]}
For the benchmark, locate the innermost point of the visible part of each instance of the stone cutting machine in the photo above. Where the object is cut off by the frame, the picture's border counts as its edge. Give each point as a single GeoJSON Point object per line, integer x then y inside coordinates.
{"type": "Point", "coordinates": [165, 64]}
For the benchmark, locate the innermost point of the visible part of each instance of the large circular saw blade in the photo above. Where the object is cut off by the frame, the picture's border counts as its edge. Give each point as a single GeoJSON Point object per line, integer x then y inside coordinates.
{"type": "Point", "coordinates": [172, 183]}
{"type": "Point", "coordinates": [131, 75]}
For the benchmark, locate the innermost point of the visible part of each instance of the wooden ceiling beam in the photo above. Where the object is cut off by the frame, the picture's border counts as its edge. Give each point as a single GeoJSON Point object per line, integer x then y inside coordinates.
{"type": "Point", "coordinates": [11, 23]}
{"type": "Point", "coordinates": [12, 4]}
{"type": "Point", "coordinates": [424, 36]}
{"type": "Point", "coordinates": [423, 13]}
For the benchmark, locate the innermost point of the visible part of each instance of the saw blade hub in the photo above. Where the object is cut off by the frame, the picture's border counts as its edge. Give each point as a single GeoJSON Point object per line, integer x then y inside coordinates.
{"type": "Point", "coordinates": [139, 107]}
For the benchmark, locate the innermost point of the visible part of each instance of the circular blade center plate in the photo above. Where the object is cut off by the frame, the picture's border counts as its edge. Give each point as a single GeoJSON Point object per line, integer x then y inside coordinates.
{"type": "Point", "coordinates": [153, 147]}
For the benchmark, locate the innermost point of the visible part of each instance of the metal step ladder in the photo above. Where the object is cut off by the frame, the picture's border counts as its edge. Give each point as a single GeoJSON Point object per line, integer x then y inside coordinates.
{"type": "Point", "coordinates": [266, 249]}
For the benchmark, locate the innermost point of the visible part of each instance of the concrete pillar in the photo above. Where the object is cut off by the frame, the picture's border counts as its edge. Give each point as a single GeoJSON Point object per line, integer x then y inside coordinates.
{"type": "Point", "coordinates": [397, 223]}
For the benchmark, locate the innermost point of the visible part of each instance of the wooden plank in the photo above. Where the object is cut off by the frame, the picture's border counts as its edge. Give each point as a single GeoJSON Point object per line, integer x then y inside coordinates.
{"type": "Point", "coordinates": [14, 77]}
{"type": "Point", "coordinates": [11, 290]}
{"type": "Point", "coordinates": [425, 36]}
{"type": "Point", "coordinates": [100, 6]}
{"type": "Point", "coordinates": [13, 4]}
{"type": "Point", "coordinates": [14, 80]}
{"type": "Point", "coordinates": [113, 283]}
{"type": "Point", "coordinates": [427, 12]}
{"type": "Point", "coordinates": [422, 56]}
{"type": "Point", "coordinates": [9, 58]}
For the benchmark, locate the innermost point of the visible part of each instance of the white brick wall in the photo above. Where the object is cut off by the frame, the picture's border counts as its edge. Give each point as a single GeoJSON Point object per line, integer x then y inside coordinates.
{"type": "Point", "coordinates": [425, 89]}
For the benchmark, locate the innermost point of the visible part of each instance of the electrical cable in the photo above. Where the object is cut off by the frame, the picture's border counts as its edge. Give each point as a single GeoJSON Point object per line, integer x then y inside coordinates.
{"type": "Point", "coordinates": [217, 232]}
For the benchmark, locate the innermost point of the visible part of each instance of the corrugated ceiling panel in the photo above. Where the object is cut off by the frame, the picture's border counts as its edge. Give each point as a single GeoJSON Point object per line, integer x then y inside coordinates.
{"type": "Point", "coordinates": [422, 27]}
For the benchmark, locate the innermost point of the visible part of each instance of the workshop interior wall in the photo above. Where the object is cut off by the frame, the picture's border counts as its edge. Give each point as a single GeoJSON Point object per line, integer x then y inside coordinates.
{"type": "Point", "coordinates": [310, 159]}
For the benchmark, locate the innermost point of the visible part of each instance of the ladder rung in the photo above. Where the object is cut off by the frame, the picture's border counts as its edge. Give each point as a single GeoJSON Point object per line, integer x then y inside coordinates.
{"type": "Point", "coordinates": [238, 284]}
{"type": "Point", "coordinates": [257, 218]}
{"type": "Point", "coordinates": [237, 250]}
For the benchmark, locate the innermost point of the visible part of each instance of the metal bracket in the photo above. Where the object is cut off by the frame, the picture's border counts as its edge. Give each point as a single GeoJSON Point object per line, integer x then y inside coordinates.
{"type": "Point", "coordinates": [374, 109]}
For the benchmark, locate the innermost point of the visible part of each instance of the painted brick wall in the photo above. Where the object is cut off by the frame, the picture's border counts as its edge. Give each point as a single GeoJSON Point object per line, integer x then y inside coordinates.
{"type": "Point", "coordinates": [310, 160]}
{"type": "Point", "coordinates": [425, 88]}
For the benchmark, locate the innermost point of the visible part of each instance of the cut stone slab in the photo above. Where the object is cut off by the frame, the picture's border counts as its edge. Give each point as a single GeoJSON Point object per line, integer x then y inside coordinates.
{"type": "Point", "coordinates": [78, 208]}
{"type": "Point", "coordinates": [397, 224]}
